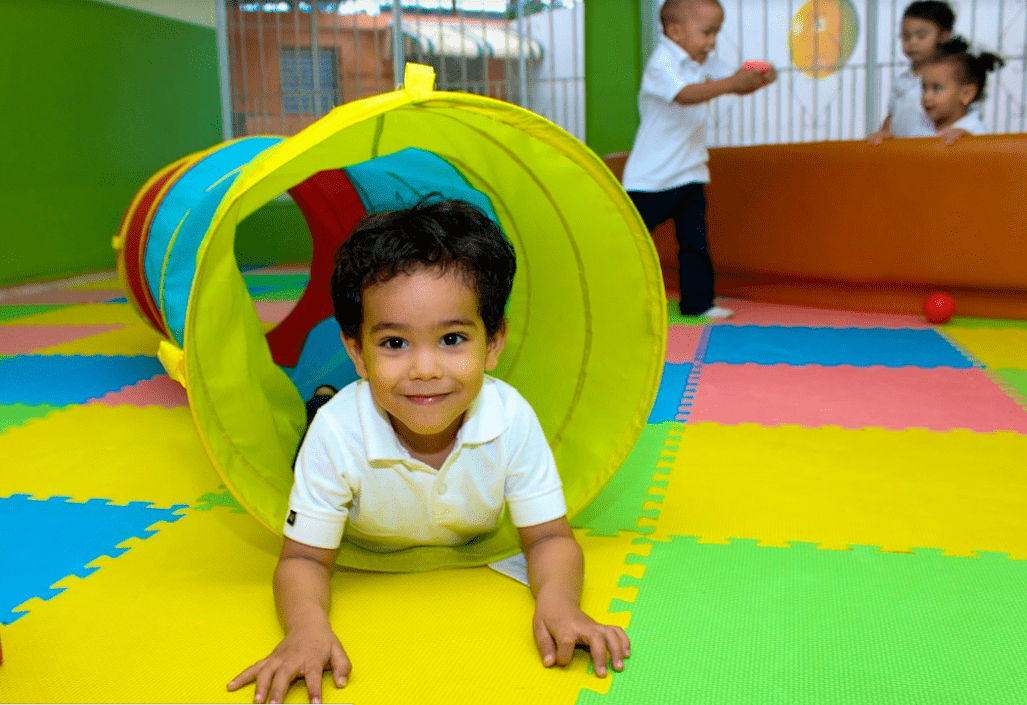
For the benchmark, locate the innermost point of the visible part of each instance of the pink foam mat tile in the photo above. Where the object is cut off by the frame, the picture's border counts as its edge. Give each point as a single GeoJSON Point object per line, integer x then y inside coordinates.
{"type": "Point", "coordinates": [159, 391]}
{"type": "Point", "coordinates": [682, 342]}
{"type": "Point", "coordinates": [755, 313]}
{"type": "Point", "coordinates": [66, 296]}
{"type": "Point", "coordinates": [22, 340]}
{"type": "Point", "coordinates": [938, 399]}
{"type": "Point", "coordinates": [273, 311]}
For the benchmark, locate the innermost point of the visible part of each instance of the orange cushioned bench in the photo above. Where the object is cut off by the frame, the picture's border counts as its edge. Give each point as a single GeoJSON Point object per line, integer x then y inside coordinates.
{"type": "Point", "coordinates": [847, 225]}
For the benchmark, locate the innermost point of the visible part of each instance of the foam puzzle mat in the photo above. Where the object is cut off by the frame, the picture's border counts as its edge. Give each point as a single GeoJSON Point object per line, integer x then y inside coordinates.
{"type": "Point", "coordinates": [824, 507]}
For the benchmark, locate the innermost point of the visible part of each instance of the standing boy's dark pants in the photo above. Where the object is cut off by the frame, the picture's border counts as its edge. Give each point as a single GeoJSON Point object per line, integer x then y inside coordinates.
{"type": "Point", "coordinates": [687, 206]}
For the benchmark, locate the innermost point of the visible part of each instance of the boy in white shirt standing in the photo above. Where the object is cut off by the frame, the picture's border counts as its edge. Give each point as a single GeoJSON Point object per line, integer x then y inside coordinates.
{"type": "Point", "coordinates": [424, 449]}
{"type": "Point", "coordinates": [667, 169]}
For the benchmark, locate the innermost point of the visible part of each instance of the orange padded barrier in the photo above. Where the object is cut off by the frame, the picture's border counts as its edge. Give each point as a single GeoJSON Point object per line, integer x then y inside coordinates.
{"type": "Point", "coordinates": [847, 225]}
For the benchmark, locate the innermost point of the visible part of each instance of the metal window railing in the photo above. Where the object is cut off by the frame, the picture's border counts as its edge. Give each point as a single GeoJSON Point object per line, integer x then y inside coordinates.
{"type": "Point", "coordinates": [528, 52]}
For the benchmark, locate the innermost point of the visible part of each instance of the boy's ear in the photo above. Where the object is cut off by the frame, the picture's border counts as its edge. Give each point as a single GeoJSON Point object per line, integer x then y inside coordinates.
{"type": "Point", "coordinates": [495, 347]}
{"type": "Point", "coordinates": [354, 350]}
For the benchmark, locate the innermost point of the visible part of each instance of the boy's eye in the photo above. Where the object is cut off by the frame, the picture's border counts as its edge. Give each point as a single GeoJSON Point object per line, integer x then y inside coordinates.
{"type": "Point", "coordinates": [394, 343]}
{"type": "Point", "coordinates": [453, 339]}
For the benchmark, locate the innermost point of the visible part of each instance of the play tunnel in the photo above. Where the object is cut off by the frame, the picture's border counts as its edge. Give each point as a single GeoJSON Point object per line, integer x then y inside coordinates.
{"type": "Point", "coordinates": [587, 317]}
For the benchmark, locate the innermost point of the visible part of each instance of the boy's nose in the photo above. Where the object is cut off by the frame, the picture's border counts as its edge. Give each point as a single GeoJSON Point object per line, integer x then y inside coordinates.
{"type": "Point", "coordinates": [425, 365]}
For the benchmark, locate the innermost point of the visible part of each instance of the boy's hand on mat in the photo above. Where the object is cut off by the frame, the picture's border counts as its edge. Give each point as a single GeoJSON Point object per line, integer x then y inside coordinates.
{"type": "Point", "coordinates": [558, 629]}
{"type": "Point", "coordinates": [303, 653]}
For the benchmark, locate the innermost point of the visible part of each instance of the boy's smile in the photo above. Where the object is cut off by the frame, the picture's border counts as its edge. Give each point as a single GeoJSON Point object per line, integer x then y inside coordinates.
{"type": "Point", "coordinates": [424, 350]}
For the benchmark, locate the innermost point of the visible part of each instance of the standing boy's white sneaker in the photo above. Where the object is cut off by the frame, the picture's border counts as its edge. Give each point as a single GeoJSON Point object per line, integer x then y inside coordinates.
{"type": "Point", "coordinates": [717, 312]}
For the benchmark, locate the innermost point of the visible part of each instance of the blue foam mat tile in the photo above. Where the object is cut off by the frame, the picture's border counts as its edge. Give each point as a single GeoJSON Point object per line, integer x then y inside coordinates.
{"type": "Point", "coordinates": [859, 347]}
{"type": "Point", "coordinates": [673, 385]}
{"type": "Point", "coordinates": [70, 379]}
{"type": "Point", "coordinates": [46, 540]}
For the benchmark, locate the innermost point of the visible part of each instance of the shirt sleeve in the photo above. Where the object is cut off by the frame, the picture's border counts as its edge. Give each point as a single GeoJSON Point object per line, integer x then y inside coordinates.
{"type": "Point", "coordinates": [533, 491]}
{"type": "Point", "coordinates": [893, 98]}
{"type": "Point", "coordinates": [320, 498]}
{"type": "Point", "coordinates": [661, 81]}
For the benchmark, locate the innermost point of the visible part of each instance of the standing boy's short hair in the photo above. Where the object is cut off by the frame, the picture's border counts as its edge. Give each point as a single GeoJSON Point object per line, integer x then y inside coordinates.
{"type": "Point", "coordinates": [674, 10]}
{"type": "Point", "coordinates": [434, 234]}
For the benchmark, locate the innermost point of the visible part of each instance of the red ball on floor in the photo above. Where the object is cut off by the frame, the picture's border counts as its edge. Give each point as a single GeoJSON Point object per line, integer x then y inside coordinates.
{"type": "Point", "coordinates": [939, 307]}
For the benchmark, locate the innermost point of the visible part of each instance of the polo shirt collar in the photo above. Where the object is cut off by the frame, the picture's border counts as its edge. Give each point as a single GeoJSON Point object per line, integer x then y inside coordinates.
{"type": "Point", "coordinates": [678, 53]}
{"type": "Point", "coordinates": [484, 422]}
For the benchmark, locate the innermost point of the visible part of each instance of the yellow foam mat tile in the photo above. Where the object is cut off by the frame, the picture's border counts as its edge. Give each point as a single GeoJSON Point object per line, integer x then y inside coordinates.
{"type": "Point", "coordinates": [83, 315]}
{"type": "Point", "coordinates": [130, 340]}
{"type": "Point", "coordinates": [996, 347]}
{"type": "Point", "coordinates": [121, 453]}
{"type": "Point", "coordinates": [959, 491]}
{"type": "Point", "coordinates": [182, 612]}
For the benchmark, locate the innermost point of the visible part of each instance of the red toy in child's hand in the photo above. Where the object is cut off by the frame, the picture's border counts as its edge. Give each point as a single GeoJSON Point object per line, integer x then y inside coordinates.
{"type": "Point", "coordinates": [756, 66]}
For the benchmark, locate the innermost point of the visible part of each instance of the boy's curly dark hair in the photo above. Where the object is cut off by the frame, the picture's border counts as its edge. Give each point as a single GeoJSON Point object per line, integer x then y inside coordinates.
{"type": "Point", "coordinates": [970, 68]}
{"type": "Point", "coordinates": [435, 233]}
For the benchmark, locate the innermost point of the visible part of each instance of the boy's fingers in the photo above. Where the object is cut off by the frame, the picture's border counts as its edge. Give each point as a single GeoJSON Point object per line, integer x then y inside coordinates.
{"type": "Point", "coordinates": [565, 644]}
{"type": "Point", "coordinates": [546, 647]}
{"type": "Point", "coordinates": [284, 677]}
{"type": "Point", "coordinates": [313, 674]}
{"type": "Point", "coordinates": [242, 679]}
{"type": "Point", "coordinates": [340, 666]}
{"type": "Point", "coordinates": [597, 647]}
{"type": "Point", "coordinates": [263, 685]}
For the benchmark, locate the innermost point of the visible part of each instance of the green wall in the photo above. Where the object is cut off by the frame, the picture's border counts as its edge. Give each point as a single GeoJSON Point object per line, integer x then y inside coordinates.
{"type": "Point", "coordinates": [96, 98]}
{"type": "Point", "coordinates": [613, 71]}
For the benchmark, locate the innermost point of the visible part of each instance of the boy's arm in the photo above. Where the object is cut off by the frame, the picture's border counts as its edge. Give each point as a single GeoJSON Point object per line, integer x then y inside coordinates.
{"type": "Point", "coordinates": [556, 571]}
{"type": "Point", "coordinates": [741, 82]}
{"type": "Point", "coordinates": [301, 586]}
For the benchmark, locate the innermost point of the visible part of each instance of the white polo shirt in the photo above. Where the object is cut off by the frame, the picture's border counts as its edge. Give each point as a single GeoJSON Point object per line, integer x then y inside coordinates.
{"type": "Point", "coordinates": [908, 118]}
{"type": "Point", "coordinates": [353, 475]}
{"type": "Point", "coordinates": [670, 145]}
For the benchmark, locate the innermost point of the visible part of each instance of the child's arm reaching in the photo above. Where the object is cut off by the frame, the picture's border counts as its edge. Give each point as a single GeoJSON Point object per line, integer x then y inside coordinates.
{"type": "Point", "coordinates": [302, 595]}
{"type": "Point", "coordinates": [742, 82]}
{"type": "Point", "coordinates": [555, 571]}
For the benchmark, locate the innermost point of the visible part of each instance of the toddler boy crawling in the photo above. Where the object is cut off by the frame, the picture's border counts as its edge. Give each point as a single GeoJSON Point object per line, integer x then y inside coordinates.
{"type": "Point", "coordinates": [425, 448]}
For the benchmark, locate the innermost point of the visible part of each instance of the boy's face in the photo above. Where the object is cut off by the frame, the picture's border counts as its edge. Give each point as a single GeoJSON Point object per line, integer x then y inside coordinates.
{"type": "Point", "coordinates": [920, 39]}
{"type": "Point", "coordinates": [424, 350]}
{"type": "Point", "coordinates": [945, 99]}
{"type": "Point", "coordinates": [695, 28]}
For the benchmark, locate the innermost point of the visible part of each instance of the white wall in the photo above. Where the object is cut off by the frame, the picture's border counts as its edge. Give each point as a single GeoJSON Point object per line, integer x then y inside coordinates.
{"type": "Point", "coordinates": [198, 12]}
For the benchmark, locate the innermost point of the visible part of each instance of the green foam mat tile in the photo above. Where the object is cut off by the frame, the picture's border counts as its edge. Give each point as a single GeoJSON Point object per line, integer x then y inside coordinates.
{"type": "Point", "coordinates": [19, 414]}
{"type": "Point", "coordinates": [1014, 382]}
{"type": "Point", "coordinates": [966, 322]}
{"type": "Point", "coordinates": [279, 295]}
{"type": "Point", "coordinates": [675, 317]}
{"type": "Point", "coordinates": [619, 506]}
{"type": "Point", "coordinates": [736, 623]}
{"type": "Point", "coordinates": [281, 281]}
{"type": "Point", "coordinates": [12, 312]}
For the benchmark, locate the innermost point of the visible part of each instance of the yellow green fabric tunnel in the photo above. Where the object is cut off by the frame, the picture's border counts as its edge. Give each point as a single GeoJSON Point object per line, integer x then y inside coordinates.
{"type": "Point", "coordinates": [587, 317]}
